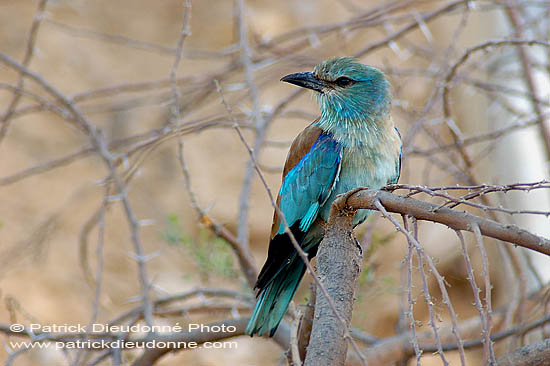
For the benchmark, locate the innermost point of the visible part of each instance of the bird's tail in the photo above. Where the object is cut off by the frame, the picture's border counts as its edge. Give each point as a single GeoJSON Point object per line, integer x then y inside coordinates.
{"type": "Point", "coordinates": [274, 298]}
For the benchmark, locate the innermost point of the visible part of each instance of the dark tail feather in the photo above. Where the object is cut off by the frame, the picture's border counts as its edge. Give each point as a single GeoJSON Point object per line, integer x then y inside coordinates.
{"type": "Point", "coordinates": [274, 298]}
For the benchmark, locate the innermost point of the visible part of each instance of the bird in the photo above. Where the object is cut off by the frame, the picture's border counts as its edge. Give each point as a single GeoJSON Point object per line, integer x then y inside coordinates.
{"type": "Point", "coordinates": [353, 144]}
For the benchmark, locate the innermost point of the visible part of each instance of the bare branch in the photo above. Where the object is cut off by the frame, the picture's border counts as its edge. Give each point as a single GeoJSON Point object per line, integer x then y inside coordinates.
{"type": "Point", "coordinates": [537, 354]}
{"type": "Point", "coordinates": [454, 219]}
{"type": "Point", "coordinates": [410, 300]}
{"type": "Point", "coordinates": [260, 123]}
{"type": "Point", "coordinates": [294, 356]}
{"type": "Point", "coordinates": [244, 256]}
{"type": "Point", "coordinates": [488, 345]}
{"type": "Point", "coordinates": [417, 23]}
{"type": "Point", "coordinates": [99, 144]}
{"type": "Point", "coordinates": [339, 264]}
{"type": "Point", "coordinates": [480, 47]}
{"type": "Point", "coordinates": [29, 51]}
{"type": "Point", "coordinates": [544, 124]}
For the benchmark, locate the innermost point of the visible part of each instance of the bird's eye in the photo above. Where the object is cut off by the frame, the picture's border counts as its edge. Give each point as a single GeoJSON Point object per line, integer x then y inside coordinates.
{"type": "Point", "coordinates": [344, 81]}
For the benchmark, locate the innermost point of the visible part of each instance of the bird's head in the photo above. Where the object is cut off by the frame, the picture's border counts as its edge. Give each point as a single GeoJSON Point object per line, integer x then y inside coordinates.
{"type": "Point", "coordinates": [346, 89]}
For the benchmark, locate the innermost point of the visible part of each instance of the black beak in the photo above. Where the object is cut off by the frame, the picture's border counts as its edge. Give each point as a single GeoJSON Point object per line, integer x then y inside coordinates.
{"type": "Point", "coordinates": [305, 80]}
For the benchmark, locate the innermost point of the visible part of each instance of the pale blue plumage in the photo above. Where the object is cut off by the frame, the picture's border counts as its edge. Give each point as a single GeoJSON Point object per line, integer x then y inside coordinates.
{"type": "Point", "coordinates": [358, 118]}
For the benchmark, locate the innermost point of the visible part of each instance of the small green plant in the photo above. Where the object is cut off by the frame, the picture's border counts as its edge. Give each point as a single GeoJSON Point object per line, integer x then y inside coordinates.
{"type": "Point", "coordinates": [367, 276]}
{"type": "Point", "coordinates": [212, 254]}
{"type": "Point", "coordinates": [173, 234]}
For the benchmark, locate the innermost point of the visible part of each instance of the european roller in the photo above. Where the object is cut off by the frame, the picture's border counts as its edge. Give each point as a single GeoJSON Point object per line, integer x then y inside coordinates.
{"type": "Point", "coordinates": [353, 144]}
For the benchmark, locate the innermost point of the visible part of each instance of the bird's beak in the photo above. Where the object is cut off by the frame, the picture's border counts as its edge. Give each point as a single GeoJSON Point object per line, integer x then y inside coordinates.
{"type": "Point", "coordinates": [305, 80]}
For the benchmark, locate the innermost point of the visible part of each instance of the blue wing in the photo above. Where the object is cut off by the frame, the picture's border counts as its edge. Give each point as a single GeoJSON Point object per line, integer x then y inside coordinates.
{"type": "Point", "coordinates": [314, 170]}
{"type": "Point", "coordinates": [308, 185]}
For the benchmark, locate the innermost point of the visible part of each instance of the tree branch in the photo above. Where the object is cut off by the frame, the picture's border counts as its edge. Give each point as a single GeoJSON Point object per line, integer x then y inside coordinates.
{"type": "Point", "coordinates": [339, 264]}
{"type": "Point", "coordinates": [537, 354]}
{"type": "Point", "coordinates": [339, 261]}
{"type": "Point", "coordinates": [452, 218]}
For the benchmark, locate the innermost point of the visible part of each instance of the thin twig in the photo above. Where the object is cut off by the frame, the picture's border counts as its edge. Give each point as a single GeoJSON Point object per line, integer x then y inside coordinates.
{"type": "Point", "coordinates": [260, 123]}
{"type": "Point", "coordinates": [29, 51]}
{"type": "Point", "coordinates": [185, 32]}
{"type": "Point", "coordinates": [433, 268]}
{"type": "Point", "coordinates": [371, 199]}
{"type": "Point", "coordinates": [469, 52]}
{"type": "Point", "coordinates": [430, 304]}
{"type": "Point", "coordinates": [294, 334]}
{"type": "Point", "coordinates": [529, 78]}
{"type": "Point", "coordinates": [488, 348]}
{"type": "Point", "coordinates": [477, 301]}
{"type": "Point", "coordinates": [411, 301]}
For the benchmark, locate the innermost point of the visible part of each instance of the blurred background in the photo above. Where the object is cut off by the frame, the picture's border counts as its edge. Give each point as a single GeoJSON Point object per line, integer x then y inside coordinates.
{"type": "Point", "coordinates": [467, 117]}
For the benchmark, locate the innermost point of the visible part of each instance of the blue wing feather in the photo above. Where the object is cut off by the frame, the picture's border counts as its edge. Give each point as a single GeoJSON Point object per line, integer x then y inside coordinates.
{"type": "Point", "coordinates": [308, 185]}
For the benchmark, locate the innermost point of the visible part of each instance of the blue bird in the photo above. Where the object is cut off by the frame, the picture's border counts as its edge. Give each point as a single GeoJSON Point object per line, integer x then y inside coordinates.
{"type": "Point", "coordinates": [353, 144]}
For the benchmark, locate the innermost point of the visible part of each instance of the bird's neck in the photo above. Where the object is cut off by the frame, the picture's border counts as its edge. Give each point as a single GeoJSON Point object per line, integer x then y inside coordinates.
{"type": "Point", "coordinates": [364, 133]}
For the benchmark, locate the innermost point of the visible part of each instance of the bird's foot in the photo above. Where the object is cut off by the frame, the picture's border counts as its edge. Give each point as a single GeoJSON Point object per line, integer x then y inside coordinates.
{"type": "Point", "coordinates": [347, 195]}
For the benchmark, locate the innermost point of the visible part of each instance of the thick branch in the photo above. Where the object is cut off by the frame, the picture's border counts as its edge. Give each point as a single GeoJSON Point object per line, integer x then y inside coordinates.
{"type": "Point", "coordinates": [339, 264]}
{"type": "Point", "coordinates": [393, 349]}
{"type": "Point", "coordinates": [537, 354]}
{"type": "Point", "coordinates": [452, 218]}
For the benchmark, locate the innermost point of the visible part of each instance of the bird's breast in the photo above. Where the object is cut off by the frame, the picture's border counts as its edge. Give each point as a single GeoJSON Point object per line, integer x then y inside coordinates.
{"type": "Point", "coordinates": [365, 167]}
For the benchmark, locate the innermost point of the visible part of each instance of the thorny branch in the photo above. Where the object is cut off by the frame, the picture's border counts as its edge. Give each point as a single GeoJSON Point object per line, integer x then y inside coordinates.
{"type": "Point", "coordinates": [369, 199]}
